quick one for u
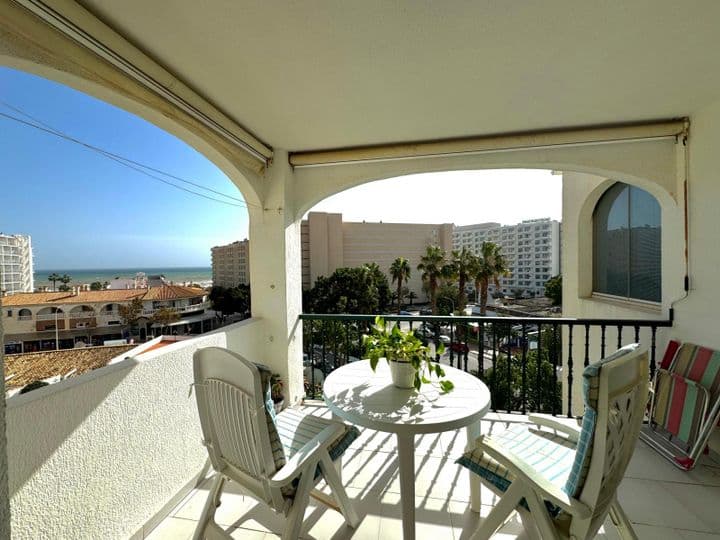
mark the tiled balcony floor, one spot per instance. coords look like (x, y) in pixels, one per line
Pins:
(663, 502)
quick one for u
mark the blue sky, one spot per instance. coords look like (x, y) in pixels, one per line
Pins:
(86, 211)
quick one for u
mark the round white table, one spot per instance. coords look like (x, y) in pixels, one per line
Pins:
(369, 399)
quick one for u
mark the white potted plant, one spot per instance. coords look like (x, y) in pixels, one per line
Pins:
(411, 362)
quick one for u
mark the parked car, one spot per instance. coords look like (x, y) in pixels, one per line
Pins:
(426, 311)
(406, 313)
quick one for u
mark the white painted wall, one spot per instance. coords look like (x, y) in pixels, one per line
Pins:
(696, 316)
(99, 455)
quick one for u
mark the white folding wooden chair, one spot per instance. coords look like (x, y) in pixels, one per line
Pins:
(562, 479)
(276, 459)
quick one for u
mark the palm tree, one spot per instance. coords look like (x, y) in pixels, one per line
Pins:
(412, 296)
(400, 271)
(464, 265)
(54, 277)
(490, 266)
(433, 267)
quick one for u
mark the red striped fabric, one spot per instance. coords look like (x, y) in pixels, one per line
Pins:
(702, 359)
(676, 405)
(669, 355)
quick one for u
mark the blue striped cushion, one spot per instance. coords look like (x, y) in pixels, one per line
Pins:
(591, 387)
(548, 453)
(296, 429)
(276, 446)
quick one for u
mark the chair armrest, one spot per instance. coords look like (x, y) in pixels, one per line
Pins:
(308, 455)
(549, 421)
(527, 474)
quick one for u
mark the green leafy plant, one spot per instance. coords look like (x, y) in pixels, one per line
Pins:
(397, 346)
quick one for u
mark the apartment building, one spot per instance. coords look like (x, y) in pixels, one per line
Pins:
(49, 320)
(16, 264)
(532, 249)
(231, 264)
(329, 243)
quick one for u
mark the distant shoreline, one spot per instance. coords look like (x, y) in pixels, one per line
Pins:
(201, 275)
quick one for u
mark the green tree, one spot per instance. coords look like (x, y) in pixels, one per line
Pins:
(230, 300)
(381, 284)
(447, 294)
(54, 277)
(164, 316)
(464, 265)
(411, 296)
(64, 279)
(130, 313)
(96, 286)
(553, 289)
(400, 271)
(347, 290)
(433, 268)
(491, 264)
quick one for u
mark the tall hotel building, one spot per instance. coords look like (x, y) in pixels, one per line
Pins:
(532, 250)
(231, 264)
(16, 264)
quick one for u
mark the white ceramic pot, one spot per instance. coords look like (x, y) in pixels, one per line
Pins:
(402, 374)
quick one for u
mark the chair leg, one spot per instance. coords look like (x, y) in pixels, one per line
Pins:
(621, 522)
(540, 515)
(297, 510)
(211, 504)
(500, 513)
(335, 482)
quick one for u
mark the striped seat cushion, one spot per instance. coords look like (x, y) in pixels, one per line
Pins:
(276, 446)
(296, 429)
(680, 405)
(591, 387)
(548, 453)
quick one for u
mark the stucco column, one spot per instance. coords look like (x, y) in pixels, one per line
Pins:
(4, 496)
(275, 275)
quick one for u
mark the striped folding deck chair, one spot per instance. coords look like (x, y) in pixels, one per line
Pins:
(685, 404)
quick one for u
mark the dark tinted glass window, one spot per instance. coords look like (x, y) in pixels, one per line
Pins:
(626, 231)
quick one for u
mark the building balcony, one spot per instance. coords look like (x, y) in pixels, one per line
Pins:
(154, 484)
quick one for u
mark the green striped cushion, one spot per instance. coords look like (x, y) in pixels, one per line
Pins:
(550, 454)
(699, 364)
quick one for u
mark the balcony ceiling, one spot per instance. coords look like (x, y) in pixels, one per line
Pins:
(317, 75)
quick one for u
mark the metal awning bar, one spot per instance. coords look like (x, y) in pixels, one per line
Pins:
(217, 122)
(538, 140)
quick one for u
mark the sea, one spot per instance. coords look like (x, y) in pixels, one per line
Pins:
(177, 275)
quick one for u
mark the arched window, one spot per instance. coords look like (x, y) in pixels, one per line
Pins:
(626, 244)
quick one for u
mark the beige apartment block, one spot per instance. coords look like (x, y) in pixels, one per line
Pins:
(328, 243)
(231, 264)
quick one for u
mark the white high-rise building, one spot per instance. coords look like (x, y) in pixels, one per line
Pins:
(16, 264)
(532, 250)
(231, 264)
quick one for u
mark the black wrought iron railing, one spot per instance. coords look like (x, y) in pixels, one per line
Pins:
(523, 360)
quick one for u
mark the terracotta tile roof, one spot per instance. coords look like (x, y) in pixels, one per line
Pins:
(29, 367)
(172, 292)
(166, 292)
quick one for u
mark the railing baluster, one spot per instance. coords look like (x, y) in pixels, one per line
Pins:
(587, 345)
(570, 369)
(324, 344)
(311, 356)
(619, 340)
(493, 392)
(335, 344)
(481, 349)
(524, 369)
(452, 343)
(347, 342)
(509, 370)
(653, 330)
(637, 333)
(538, 371)
(466, 347)
(555, 405)
(602, 341)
